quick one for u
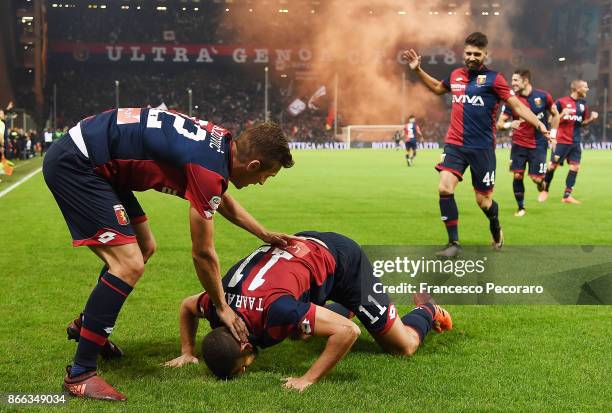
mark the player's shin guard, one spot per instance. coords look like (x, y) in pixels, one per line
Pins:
(550, 173)
(99, 318)
(420, 320)
(450, 216)
(570, 181)
(492, 214)
(519, 192)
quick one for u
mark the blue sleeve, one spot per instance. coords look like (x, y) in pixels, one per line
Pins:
(286, 314)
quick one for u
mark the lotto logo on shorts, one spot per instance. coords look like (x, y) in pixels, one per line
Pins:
(122, 216)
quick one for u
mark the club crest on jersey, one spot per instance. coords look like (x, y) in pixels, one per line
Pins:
(122, 216)
(538, 101)
(481, 80)
(581, 107)
(305, 327)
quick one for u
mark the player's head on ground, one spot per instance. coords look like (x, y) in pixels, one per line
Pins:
(521, 78)
(580, 88)
(475, 50)
(224, 355)
(259, 153)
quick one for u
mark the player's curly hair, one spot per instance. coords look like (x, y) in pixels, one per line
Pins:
(220, 351)
(477, 39)
(267, 143)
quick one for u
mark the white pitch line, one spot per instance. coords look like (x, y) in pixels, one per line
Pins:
(22, 180)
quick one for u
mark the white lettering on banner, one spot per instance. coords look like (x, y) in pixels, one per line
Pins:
(204, 52)
(158, 51)
(305, 55)
(239, 55)
(261, 56)
(136, 57)
(204, 56)
(283, 55)
(180, 55)
(472, 100)
(117, 52)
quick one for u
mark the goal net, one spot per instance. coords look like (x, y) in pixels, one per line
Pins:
(367, 136)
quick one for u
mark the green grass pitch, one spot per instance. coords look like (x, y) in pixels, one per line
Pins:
(498, 358)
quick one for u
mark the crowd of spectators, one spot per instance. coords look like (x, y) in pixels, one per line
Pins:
(206, 22)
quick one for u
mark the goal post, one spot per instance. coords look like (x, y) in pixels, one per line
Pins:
(357, 136)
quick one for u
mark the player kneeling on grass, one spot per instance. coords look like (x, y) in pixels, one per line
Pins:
(281, 292)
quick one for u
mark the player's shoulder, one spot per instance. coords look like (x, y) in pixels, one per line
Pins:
(459, 74)
(541, 93)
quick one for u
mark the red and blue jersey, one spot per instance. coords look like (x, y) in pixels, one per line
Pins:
(475, 99)
(275, 290)
(540, 102)
(573, 113)
(141, 148)
(411, 130)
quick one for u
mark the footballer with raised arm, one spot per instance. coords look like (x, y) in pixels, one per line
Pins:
(470, 141)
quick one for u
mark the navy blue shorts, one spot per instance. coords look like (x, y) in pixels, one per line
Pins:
(411, 145)
(535, 157)
(96, 213)
(482, 163)
(353, 285)
(571, 152)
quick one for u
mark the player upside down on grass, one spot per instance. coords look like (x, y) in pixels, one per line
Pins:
(281, 292)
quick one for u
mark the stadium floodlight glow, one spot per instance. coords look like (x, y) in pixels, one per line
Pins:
(496, 13)
(54, 5)
(250, 10)
(125, 7)
(562, 59)
(161, 8)
(137, 7)
(283, 10)
(402, 12)
(485, 13)
(102, 6)
(196, 9)
(312, 11)
(227, 9)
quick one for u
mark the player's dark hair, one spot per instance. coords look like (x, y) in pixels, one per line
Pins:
(477, 39)
(267, 143)
(220, 351)
(524, 73)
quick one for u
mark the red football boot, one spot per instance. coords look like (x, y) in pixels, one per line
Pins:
(91, 386)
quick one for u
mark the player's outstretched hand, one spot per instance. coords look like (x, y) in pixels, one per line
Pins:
(413, 58)
(182, 360)
(594, 115)
(296, 383)
(234, 323)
